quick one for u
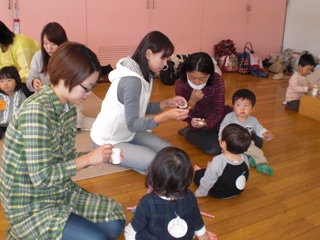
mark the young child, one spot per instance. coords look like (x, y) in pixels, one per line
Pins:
(298, 83)
(11, 95)
(243, 102)
(169, 210)
(226, 175)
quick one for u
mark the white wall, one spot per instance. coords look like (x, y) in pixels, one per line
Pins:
(302, 27)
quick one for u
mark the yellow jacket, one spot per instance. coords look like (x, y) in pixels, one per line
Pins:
(19, 54)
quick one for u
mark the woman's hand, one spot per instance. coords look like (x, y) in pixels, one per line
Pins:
(37, 84)
(196, 96)
(173, 102)
(97, 156)
(172, 114)
(198, 122)
(177, 114)
(100, 155)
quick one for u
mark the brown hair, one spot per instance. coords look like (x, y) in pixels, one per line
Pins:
(156, 42)
(170, 173)
(237, 138)
(73, 62)
(54, 33)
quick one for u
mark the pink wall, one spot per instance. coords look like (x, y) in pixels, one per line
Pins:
(35, 14)
(102, 24)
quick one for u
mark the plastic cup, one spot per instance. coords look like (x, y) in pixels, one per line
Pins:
(115, 156)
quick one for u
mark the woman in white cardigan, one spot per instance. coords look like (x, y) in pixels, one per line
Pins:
(122, 120)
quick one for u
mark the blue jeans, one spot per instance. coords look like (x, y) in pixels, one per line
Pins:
(80, 228)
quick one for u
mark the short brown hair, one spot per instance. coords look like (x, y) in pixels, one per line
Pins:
(237, 138)
(73, 62)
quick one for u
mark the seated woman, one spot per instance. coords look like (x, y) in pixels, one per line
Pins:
(204, 90)
(17, 50)
(122, 120)
(39, 158)
(52, 36)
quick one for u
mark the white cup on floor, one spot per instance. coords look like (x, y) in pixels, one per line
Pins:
(314, 91)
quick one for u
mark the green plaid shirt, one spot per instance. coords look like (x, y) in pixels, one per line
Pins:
(37, 164)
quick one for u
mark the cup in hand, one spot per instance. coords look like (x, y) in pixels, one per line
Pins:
(198, 121)
(116, 156)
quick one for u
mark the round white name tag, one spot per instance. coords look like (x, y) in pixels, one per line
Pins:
(177, 227)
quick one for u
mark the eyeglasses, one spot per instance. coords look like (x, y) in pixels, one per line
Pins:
(88, 89)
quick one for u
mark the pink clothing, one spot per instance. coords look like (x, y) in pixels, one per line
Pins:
(297, 86)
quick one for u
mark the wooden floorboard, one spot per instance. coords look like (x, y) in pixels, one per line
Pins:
(285, 205)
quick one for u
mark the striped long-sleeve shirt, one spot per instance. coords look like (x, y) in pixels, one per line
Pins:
(297, 86)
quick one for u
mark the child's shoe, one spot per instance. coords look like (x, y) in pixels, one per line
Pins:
(251, 161)
(265, 169)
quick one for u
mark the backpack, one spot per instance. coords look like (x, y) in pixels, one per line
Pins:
(168, 74)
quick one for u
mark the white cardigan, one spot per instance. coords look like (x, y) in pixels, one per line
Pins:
(110, 125)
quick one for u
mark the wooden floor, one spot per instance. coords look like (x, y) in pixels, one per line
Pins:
(285, 205)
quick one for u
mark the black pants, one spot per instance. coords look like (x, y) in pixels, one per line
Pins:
(26, 91)
(2, 131)
(293, 105)
(207, 140)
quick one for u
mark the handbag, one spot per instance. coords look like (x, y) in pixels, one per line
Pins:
(243, 66)
(249, 62)
(255, 60)
(228, 63)
(226, 56)
(168, 75)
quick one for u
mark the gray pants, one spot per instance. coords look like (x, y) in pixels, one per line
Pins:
(140, 151)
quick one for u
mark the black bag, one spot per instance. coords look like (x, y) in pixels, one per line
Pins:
(168, 74)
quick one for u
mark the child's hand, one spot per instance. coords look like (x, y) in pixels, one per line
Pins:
(196, 168)
(208, 236)
(268, 135)
(212, 236)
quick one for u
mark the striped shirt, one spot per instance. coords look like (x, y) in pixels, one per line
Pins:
(297, 86)
(36, 189)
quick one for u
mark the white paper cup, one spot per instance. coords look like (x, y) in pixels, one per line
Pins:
(182, 105)
(199, 121)
(314, 91)
(115, 156)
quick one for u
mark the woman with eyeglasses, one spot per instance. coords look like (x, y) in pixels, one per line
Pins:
(204, 90)
(122, 121)
(39, 158)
